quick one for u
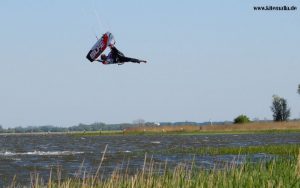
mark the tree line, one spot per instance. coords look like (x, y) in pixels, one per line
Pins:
(279, 107)
(50, 128)
(99, 126)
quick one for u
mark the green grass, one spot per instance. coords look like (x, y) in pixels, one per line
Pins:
(283, 172)
(284, 150)
(279, 172)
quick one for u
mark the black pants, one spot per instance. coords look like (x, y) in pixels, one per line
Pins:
(123, 59)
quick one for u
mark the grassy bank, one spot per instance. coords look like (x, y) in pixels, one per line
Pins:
(266, 127)
(254, 127)
(249, 128)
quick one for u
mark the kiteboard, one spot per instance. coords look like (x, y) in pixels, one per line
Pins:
(106, 40)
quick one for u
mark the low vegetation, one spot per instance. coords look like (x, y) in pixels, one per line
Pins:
(287, 150)
(241, 119)
(255, 127)
(278, 172)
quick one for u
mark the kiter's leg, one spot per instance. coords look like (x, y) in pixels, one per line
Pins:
(129, 59)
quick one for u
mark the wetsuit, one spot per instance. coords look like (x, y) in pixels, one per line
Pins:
(115, 56)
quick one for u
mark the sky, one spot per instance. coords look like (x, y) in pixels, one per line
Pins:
(207, 61)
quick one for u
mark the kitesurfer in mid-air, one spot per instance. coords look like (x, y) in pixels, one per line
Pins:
(114, 56)
(117, 57)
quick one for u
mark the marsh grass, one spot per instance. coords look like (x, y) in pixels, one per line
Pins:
(255, 127)
(287, 150)
(276, 173)
(279, 172)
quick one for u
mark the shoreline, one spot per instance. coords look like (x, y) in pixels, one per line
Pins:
(254, 127)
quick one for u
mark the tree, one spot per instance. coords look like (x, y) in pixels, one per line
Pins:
(280, 109)
(299, 89)
(241, 119)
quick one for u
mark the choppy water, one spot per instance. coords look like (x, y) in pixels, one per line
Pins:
(25, 155)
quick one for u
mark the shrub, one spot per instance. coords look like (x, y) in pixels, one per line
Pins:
(241, 119)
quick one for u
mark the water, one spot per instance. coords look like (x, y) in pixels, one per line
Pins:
(25, 155)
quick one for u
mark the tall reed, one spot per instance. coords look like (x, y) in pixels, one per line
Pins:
(279, 172)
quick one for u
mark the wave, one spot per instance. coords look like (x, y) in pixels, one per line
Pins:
(155, 142)
(46, 153)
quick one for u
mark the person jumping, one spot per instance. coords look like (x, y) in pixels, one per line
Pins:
(117, 57)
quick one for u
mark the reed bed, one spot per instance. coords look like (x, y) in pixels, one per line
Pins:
(230, 128)
(279, 172)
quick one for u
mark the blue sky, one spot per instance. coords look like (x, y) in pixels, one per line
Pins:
(207, 60)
